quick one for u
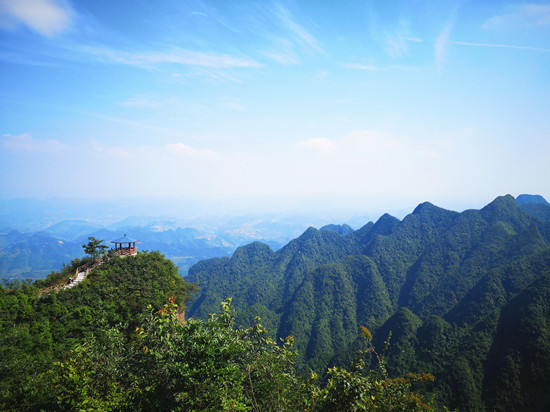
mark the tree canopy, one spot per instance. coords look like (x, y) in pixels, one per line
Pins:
(445, 283)
(120, 341)
(94, 248)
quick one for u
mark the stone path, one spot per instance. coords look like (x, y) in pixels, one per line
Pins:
(79, 278)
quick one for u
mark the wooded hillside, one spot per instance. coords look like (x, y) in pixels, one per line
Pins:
(464, 295)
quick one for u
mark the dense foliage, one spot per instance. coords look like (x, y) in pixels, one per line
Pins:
(119, 341)
(464, 294)
(37, 328)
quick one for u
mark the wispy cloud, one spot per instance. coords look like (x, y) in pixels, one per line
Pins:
(526, 15)
(282, 51)
(393, 36)
(122, 121)
(364, 153)
(502, 46)
(363, 144)
(359, 66)
(183, 150)
(26, 143)
(156, 154)
(231, 104)
(144, 101)
(47, 17)
(403, 67)
(284, 57)
(297, 31)
(396, 44)
(440, 48)
(320, 145)
(369, 67)
(215, 74)
(175, 56)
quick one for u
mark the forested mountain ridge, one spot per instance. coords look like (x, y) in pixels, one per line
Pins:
(119, 341)
(535, 205)
(448, 285)
(37, 329)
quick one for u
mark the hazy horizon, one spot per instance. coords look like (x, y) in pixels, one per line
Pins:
(41, 213)
(255, 106)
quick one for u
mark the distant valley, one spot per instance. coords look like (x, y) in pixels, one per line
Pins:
(37, 237)
(33, 255)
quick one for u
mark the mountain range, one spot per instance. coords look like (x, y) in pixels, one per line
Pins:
(465, 296)
(30, 252)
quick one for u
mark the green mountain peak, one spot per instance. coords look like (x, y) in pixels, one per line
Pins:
(437, 280)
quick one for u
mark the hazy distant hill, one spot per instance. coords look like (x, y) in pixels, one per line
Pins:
(464, 294)
(527, 199)
(535, 205)
(71, 229)
(340, 229)
(33, 254)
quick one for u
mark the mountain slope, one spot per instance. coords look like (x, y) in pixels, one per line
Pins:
(535, 205)
(437, 279)
(37, 329)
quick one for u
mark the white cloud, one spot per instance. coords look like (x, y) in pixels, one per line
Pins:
(370, 164)
(366, 163)
(230, 104)
(396, 45)
(144, 101)
(537, 14)
(299, 33)
(501, 46)
(26, 143)
(181, 149)
(175, 56)
(413, 39)
(360, 66)
(47, 17)
(403, 67)
(371, 145)
(368, 67)
(155, 154)
(440, 47)
(321, 145)
(361, 163)
(321, 74)
(528, 15)
(284, 57)
(282, 52)
(393, 36)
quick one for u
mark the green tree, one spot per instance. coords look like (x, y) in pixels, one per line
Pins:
(94, 248)
(38, 329)
(172, 364)
(361, 390)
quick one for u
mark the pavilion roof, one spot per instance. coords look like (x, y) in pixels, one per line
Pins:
(124, 239)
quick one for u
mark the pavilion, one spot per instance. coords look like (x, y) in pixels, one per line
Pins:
(125, 246)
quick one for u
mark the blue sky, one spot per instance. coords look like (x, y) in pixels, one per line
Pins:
(363, 103)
